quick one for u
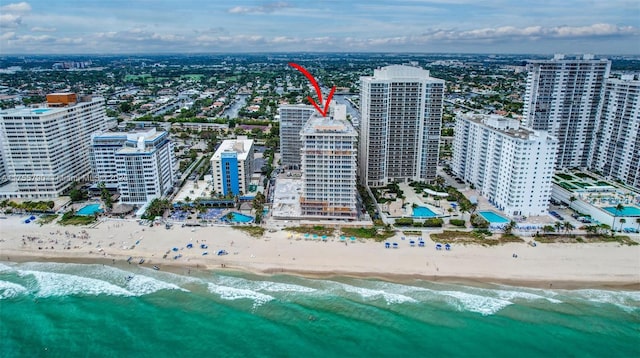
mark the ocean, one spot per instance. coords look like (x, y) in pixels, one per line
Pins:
(81, 310)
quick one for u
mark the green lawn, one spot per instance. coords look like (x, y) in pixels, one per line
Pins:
(45, 219)
(77, 220)
(255, 231)
(367, 233)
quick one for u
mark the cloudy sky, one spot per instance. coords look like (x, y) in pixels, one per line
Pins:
(178, 26)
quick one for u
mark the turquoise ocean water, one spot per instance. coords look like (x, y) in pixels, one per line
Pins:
(75, 310)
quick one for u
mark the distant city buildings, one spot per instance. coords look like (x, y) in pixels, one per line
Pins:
(292, 119)
(46, 149)
(329, 167)
(139, 164)
(401, 109)
(562, 97)
(615, 149)
(509, 165)
(232, 166)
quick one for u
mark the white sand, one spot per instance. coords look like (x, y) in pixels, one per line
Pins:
(563, 265)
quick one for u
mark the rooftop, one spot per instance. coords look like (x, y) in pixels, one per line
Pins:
(241, 146)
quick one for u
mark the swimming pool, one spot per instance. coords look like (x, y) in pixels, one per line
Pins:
(493, 218)
(627, 211)
(41, 110)
(239, 218)
(423, 212)
(89, 209)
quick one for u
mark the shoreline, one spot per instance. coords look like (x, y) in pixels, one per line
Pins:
(111, 242)
(184, 268)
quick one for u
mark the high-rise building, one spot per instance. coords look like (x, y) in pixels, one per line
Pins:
(140, 164)
(329, 167)
(401, 110)
(615, 149)
(292, 118)
(46, 149)
(509, 165)
(3, 172)
(232, 166)
(562, 97)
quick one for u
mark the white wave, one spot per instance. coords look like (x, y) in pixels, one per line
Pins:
(143, 285)
(475, 303)
(366, 293)
(59, 284)
(11, 290)
(627, 300)
(523, 295)
(232, 293)
(267, 286)
(5, 268)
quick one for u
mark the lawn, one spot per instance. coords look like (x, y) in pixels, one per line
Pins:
(255, 231)
(472, 237)
(77, 220)
(313, 230)
(45, 219)
(550, 239)
(367, 233)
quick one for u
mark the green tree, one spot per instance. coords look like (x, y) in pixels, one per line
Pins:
(78, 195)
(105, 195)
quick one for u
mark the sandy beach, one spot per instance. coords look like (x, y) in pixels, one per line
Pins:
(602, 265)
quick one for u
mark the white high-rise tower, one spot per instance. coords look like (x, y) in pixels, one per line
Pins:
(401, 109)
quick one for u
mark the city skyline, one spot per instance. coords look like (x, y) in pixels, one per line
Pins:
(38, 27)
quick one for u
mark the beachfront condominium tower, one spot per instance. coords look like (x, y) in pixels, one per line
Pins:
(615, 150)
(46, 149)
(401, 110)
(510, 165)
(562, 97)
(139, 164)
(232, 166)
(292, 118)
(328, 163)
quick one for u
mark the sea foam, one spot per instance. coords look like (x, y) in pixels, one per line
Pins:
(11, 290)
(232, 293)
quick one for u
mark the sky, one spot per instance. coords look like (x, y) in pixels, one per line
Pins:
(214, 26)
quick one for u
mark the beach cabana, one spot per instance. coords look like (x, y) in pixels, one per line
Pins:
(421, 243)
(412, 243)
(342, 238)
(324, 237)
(395, 245)
(387, 245)
(353, 239)
(438, 246)
(447, 247)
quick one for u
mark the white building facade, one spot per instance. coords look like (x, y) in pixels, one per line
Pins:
(292, 119)
(615, 150)
(329, 168)
(232, 166)
(46, 149)
(141, 164)
(562, 97)
(401, 110)
(509, 165)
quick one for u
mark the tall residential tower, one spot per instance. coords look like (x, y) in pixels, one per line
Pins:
(562, 97)
(292, 119)
(401, 110)
(509, 165)
(328, 164)
(615, 149)
(46, 149)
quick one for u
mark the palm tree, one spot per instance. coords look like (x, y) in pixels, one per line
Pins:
(622, 221)
(508, 229)
(619, 209)
(547, 229)
(568, 227)
(558, 226)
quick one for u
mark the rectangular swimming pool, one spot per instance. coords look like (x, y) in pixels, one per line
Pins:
(493, 218)
(626, 211)
(423, 212)
(90, 209)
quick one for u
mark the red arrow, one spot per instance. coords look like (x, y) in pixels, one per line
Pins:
(323, 111)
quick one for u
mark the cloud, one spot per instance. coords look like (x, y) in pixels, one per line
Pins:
(20, 7)
(9, 35)
(43, 29)
(12, 14)
(263, 9)
(10, 20)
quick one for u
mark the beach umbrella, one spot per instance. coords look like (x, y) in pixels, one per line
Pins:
(447, 247)
(395, 245)
(387, 245)
(438, 246)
